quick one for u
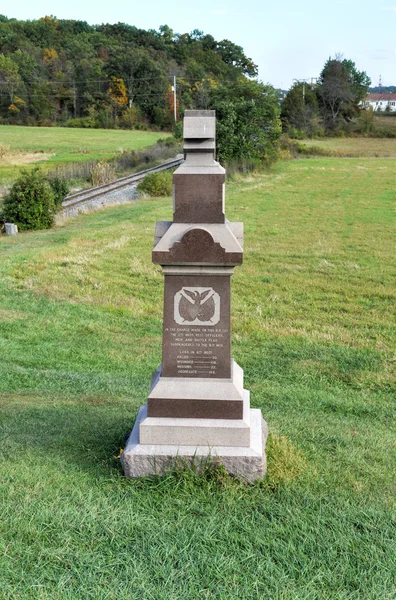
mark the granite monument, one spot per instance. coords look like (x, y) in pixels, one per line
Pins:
(197, 406)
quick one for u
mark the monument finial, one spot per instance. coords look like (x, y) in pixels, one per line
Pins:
(199, 181)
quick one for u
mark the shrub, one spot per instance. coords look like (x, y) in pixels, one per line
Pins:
(157, 184)
(60, 187)
(30, 203)
(46, 123)
(178, 131)
(296, 134)
(130, 118)
(81, 122)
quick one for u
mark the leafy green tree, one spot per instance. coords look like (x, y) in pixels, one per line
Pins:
(234, 55)
(60, 188)
(340, 89)
(9, 77)
(30, 203)
(366, 121)
(166, 33)
(300, 109)
(42, 102)
(248, 125)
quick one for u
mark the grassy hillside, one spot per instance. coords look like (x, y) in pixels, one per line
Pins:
(312, 315)
(52, 146)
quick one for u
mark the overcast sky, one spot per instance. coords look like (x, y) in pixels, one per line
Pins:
(286, 38)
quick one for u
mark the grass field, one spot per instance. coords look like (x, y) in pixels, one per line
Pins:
(312, 314)
(359, 147)
(61, 145)
(385, 122)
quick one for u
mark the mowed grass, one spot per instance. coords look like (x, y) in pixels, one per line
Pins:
(360, 147)
(313, 328)
(62, 145)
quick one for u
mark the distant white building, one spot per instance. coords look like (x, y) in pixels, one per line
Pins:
(380, 102)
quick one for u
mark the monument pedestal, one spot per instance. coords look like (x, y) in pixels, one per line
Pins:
(161, 442)
(197, 409)
(245, 462)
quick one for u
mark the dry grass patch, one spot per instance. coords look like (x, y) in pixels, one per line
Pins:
(285, 461)
(20, 159)
(356, 147)
(11, 315)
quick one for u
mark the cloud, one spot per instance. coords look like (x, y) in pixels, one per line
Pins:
(218, 12)
(390, 8)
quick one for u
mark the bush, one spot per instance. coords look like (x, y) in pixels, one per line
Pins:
(81, 122)
(30, 203)
(157, 184)
(61, 189)
(178, 131)
(130, 118)
(46, 123)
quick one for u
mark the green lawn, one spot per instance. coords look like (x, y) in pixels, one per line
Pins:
(62, 145)
(313, 309)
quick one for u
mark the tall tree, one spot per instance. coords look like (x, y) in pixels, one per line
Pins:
(300, 109)
(340, 89)
(10, 80)
(248, 125)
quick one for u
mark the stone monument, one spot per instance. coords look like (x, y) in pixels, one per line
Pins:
(11, 229)
(197, 406)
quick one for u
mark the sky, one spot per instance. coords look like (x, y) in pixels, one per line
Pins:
(287, 39)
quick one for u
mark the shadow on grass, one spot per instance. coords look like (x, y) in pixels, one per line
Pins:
(83, 434)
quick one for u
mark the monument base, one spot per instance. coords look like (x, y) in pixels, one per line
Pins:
(245, 462)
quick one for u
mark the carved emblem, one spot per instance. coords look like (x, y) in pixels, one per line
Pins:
(197, 306)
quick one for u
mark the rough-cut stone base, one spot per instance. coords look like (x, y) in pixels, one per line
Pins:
(246, 463)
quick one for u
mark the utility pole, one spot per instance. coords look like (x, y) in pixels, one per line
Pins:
(174, 98)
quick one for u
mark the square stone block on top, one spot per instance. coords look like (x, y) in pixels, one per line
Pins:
(199, 124)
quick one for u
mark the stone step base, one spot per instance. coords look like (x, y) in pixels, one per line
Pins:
(197, 432)
(247, 463)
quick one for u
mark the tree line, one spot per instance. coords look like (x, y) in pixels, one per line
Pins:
(54, 70)
(66, 72)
